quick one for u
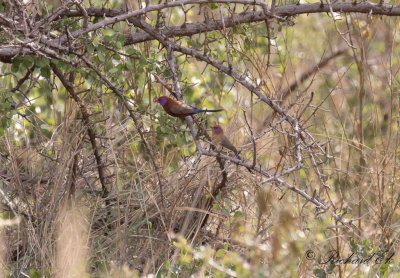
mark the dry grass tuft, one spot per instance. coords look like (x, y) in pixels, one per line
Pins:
(72, 242)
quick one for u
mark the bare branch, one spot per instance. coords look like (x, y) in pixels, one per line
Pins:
(100, 165)
(252, 140)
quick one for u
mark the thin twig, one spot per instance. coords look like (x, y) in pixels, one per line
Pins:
(252, 140)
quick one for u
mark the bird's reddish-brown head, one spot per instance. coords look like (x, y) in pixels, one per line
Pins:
(161, 100)
(216, 129)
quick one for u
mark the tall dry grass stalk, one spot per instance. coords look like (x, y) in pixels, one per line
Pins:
(72, 242)
(3, 254)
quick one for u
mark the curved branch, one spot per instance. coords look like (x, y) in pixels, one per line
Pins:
(7, 53)
(256, 16)
(86, 119)
(190, 29)
(300, 134)
(278, 179)
(284, 10)
(283, 95)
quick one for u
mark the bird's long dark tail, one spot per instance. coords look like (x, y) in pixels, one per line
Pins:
(215, 110)
(206, 110)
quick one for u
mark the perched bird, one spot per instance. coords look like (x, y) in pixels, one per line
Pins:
(179, 109)
(220, 139)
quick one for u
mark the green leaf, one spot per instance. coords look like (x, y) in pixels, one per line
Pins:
(97, 19)
(84, 74)
(225, 212)
(354, 246)
(108, 38)
(131, 51)
(319, 272)
(5, 122)
(90, 49)
(45, 72)
(101, 57)
(27, 62)
(96, 41)
(142, 61)
(171, 137)
(113, 70)
(15, 65)
(118, 45)
(33, 273)
(47, 271)
(41, 62)
(129, 65)
(302, 173)
(213, 6)
(116, 56)
(121, 67)
(220, 253)
(101, 48)
(121, 38)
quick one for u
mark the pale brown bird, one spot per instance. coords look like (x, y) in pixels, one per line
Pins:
(219, 139)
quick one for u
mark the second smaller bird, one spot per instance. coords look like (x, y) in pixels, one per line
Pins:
(219, 139)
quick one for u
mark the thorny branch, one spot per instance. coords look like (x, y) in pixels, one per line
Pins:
(189, 120)
(134, 118)
(337, 28)
(301, 135)
(252, 140)
(7, 52)
(40, 42)
(86, 118)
